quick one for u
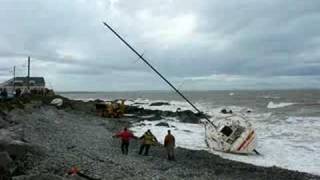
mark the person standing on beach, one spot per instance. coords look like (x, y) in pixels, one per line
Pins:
(125, 137)
(147, 140)
(169, 144)
(4, 94)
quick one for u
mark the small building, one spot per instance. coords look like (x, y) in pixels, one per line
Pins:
(22, 83)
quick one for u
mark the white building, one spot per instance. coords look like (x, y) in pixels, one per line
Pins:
(22, 83)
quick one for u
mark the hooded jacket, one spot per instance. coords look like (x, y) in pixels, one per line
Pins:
(148, 138)
(125, 135)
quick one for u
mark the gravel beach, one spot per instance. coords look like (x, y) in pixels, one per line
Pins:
(40, 141)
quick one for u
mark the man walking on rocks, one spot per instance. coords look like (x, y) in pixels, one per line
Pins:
(169, 144)
(125, 136)
(147, 140)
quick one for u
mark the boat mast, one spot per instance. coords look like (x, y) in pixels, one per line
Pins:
(156, 71)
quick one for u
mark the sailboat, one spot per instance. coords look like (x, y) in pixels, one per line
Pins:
(234, 134)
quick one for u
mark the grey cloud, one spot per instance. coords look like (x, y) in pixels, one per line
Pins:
(269, 38)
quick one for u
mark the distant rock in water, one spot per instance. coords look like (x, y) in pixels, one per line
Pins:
(189, 116)
(188, 131)
(160, 104)
(163, 124)
(138, 103)
(224, 111)
(152, 115)
(141, 124)
(98, 101)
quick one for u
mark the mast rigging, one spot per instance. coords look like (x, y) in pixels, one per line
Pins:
(156, 71)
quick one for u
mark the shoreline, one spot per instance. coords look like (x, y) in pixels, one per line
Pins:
(52, 140)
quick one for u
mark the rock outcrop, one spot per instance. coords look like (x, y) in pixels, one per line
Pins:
(160, 104)
(148, 114)
(163, 124)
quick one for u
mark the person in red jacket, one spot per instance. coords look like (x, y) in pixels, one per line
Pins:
(125, 137)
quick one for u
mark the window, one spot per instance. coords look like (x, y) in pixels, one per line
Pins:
(226, 130)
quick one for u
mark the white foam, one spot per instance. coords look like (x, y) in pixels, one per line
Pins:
(83, 99)
(174, 105)
(270, 97)
(187, 135)
(272, 105)
(292, 144)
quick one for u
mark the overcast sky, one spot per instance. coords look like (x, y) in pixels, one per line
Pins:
(198, 45)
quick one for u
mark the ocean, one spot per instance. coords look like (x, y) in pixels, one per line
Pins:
(287, 122)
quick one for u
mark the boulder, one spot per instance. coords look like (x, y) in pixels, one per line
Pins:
(6, 165)
(133, 109)
(87, 107)
(3, 123)
(188, 116)
(224, 111)
(168, 114)
(98, 101)
(160, 104)
(7, 136)
(57, 102)
(4, 174)
(3, 114)
(5, 160)
(152, 115)
(163, 124)
(3, 120)
(16, 148)
(186, 130)
(138, 103)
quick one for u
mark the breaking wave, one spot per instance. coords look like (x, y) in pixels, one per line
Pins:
(272, 105)
(270, 97)
(284, 147)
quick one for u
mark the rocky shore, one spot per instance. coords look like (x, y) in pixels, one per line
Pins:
(40, 141)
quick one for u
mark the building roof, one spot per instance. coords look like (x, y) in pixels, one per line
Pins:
(36, 81)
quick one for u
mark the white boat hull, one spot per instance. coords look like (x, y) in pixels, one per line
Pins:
(232, 137)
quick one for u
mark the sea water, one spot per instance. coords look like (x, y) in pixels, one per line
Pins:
(287, 122)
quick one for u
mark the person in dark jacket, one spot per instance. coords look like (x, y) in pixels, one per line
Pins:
(18, 92)
(125, 137)
(147, 140)
(169, 144)
(4, 94)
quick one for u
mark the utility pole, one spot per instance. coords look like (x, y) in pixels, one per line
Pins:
(28, 77)
(14, 79)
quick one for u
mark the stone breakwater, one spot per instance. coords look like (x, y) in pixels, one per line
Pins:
(39, 141)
